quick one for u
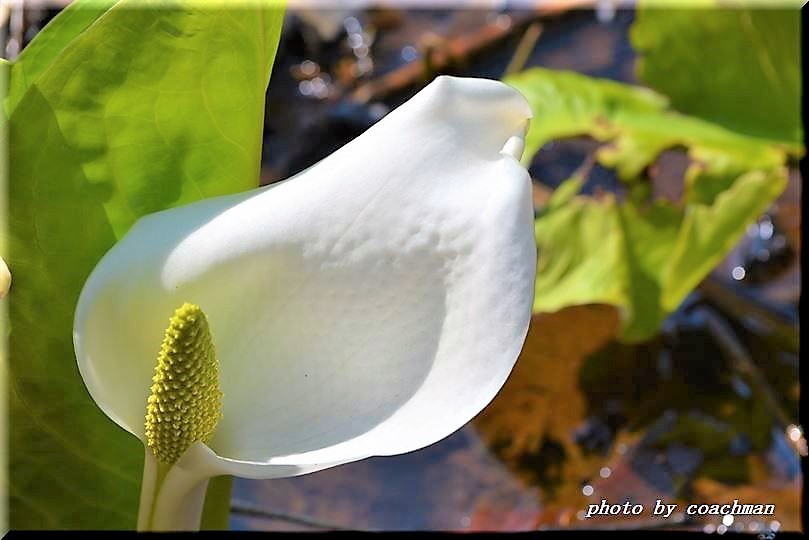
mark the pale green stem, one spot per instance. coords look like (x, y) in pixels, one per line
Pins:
(172, 496)
(148, 487)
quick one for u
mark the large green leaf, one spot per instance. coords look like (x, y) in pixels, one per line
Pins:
(638, 124)
(4, 71)
(46, 46)
(642, 257)
(143, 109)
(738, 67)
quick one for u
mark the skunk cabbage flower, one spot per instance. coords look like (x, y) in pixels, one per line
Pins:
(370, 305)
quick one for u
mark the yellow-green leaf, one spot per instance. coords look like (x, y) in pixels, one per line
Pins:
(150, 105)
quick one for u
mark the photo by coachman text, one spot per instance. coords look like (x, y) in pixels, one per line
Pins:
(735, 509)
(666, 510)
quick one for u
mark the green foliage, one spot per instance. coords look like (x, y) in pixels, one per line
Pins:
(737, 67)
(116, 111)
(639, 256)
(4, 71)
(642, 259)
(638, 124)
(41, 52)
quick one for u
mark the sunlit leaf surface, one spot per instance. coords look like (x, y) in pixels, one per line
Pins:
(142, 110)
(638, 125)
(42, 51)
(642, 256)
(740, 67)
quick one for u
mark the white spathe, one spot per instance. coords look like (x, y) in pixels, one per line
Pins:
(370, 305)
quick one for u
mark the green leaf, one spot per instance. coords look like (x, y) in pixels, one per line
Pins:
(143, 110)
(710, 231)
(563, 194)
(600, 251)
(4, 71)
(567, 104)
(49, 43)
(638, 125)
(738, 67)
(642, 258)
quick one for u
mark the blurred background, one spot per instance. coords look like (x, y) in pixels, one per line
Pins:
(701, 404)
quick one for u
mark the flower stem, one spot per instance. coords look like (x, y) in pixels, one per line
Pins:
(148, 490)
(172, 496)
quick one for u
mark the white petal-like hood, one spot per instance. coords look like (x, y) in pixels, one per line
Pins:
(370, 305)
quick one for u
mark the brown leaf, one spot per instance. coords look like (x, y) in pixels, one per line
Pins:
(542, 395)
(541, 400)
